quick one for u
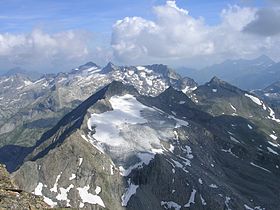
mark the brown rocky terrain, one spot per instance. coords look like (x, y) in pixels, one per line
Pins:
(13, 198)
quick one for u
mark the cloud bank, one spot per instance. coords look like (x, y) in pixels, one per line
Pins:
(173, 37)
(47, 52)
(176, 37)
(266, 23)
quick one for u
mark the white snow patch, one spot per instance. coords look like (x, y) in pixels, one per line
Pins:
(130, 191)
(248, 207)
(88, 197)
(130, 72)
(63, 195)
(112, 169)
(230, 152)
(273, 136)
(171, 149)
(73, 176)
(145, 160)
(80, 161)
(213, 186)
(182, 102)
(126, 110)
(142, 68)
(170, 205)
(179, 121)
(54, 188)
(27, 82)
(254, 208)
(272, 151)
(253, 164)
(191, 199)
(214, 90)
(272, 115)
(234, 109)
(203, 202)
(149, 82)
(50, 202)
(97, 190)
(179, 165)
(188, 150)
(227, 202)
(254, 99)
(94, 144)
(176, 135)
(234, 139)
(188, 89)
(200, 181)
(273, 144)
(38, 191)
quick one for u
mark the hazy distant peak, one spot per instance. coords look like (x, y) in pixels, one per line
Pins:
(264, 58)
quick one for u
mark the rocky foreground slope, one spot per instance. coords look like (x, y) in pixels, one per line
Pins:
(13, 198)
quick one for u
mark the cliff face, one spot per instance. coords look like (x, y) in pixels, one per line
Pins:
(13, 198)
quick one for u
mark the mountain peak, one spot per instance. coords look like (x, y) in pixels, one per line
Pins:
(20, 71)
(90, 63)
(16, 70)
(110, 64)
(109, 67)
(216, 80)
(264, 58)
(87, 65)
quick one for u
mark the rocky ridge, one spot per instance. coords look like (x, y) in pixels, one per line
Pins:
(166, 153)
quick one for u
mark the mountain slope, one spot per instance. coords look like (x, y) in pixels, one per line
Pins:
(220, 98)
(271, 94)
(123, 150)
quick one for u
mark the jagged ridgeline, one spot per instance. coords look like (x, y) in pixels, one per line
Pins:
(150, 140)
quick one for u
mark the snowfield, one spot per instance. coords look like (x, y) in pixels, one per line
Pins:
(131, 131)
(254, 99)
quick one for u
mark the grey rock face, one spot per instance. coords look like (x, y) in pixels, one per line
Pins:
(161, 152)
(26, 104)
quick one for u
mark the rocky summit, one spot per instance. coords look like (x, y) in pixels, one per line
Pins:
(144, 138)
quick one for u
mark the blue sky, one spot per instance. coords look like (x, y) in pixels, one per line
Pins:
(97, 16)
(44, 34)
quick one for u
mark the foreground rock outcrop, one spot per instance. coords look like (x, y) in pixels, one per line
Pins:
(13, 198)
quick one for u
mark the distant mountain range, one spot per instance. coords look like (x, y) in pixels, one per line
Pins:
(33, 75)
(246, 74)
(140, 137)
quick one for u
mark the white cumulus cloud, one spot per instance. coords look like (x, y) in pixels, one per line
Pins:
(176, 37)
(46, 52)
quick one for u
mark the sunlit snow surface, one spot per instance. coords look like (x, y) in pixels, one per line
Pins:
(89, 197)
(131, 133)
(38, 191)
(254, 99)
(131, 190)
